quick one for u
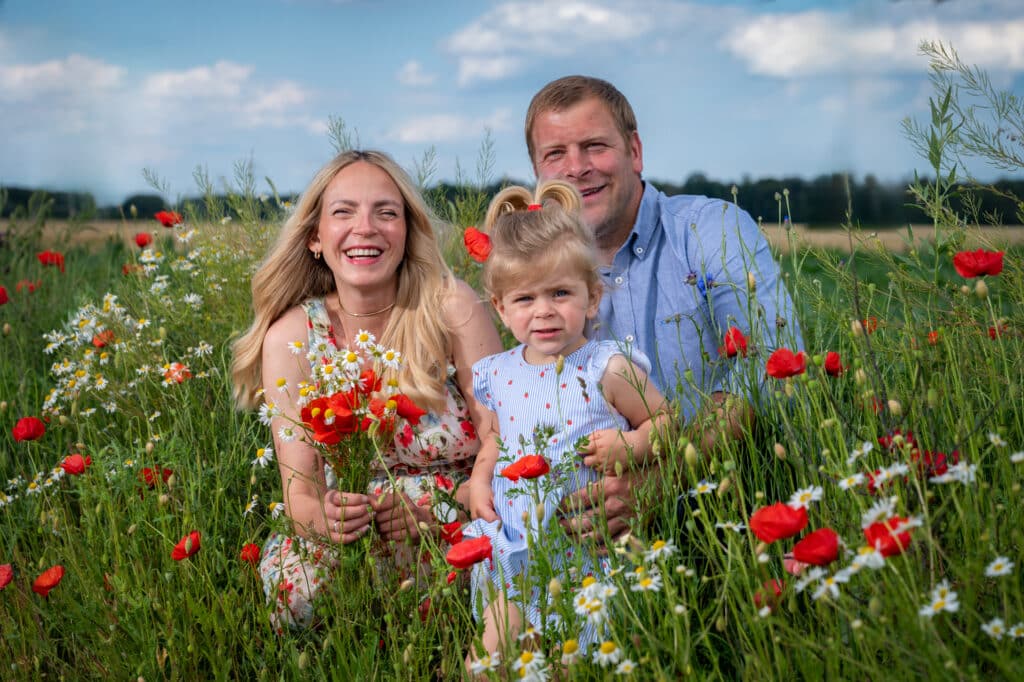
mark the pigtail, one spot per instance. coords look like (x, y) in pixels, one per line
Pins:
(560, 193)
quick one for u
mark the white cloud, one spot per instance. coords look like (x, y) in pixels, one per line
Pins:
(816, 43)
(449, 127)
(223, 79)
(413, 75)
(502, 41)
(72, 75)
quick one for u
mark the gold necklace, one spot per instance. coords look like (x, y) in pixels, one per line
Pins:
(373, 314)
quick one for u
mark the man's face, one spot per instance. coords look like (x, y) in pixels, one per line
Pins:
(582, 146)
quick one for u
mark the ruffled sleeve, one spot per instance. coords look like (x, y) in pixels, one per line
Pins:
(482, 371)
(607, 349)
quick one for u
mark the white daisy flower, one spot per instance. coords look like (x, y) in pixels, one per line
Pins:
(251, 507)
(867, 557)
(830, 585)
(1017, 631)
(286, 433)
(626, 667)
(264, 456)
(995, 628)
(486, 664)
(365, 340)
(802, 498)
(880, 510)
(659, 550)
(811, 576)
(392, 359)
(607, 654)
(937, 605)
(530, 665)
(275, 509)
(730, 525)
(571, 651)
(1000, 566)
(996, 440)
(852, 481)
(1017, 457)
(296, 347)
(705, 487)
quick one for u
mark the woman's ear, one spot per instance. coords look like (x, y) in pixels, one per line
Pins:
(313, 243)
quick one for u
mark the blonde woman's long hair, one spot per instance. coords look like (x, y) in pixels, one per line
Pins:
(537, 231)
(290, 275)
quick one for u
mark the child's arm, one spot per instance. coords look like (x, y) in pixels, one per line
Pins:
(628, 390)
(481, 494)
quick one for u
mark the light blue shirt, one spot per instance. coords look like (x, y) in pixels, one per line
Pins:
(679, 281)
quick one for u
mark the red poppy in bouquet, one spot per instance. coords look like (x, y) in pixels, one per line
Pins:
(168, 218)
(352, 408)
(734, 344)
(478, 244)
(978, 263)
(527, 466)
(53, 258)
(784, 363)
(48, 580)
(28, 428)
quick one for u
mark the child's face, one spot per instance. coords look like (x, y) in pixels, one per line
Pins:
(548, 313)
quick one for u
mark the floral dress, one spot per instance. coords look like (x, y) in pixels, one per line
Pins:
(426, 462)
(540, 411)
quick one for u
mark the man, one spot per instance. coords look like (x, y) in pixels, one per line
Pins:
(679, 271)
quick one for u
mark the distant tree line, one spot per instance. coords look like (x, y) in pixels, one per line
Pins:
(820, 202)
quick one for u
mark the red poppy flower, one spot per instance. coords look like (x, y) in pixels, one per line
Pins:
(151, 476)
(934, 463)
(833, 364)
(3, 295)
(186, 547)
(785, 363)
(769, 594)
(103, 338)
(469, 552)
(777, 522)
(51, 258)
(48, 580)
(143, 239)
(452, 533)
(478, 244)
(882, 537)
(527, 466)
(177, 373)
(168, 218)
(408, 410)
(75, 465)
(995, 332)
(933, 338)
(819, 548)
(28, 428)
(870, 324)
(6, 575)
(452, 575)
(369, 382)
(28, 284)
(978, 263)
(250, 553)
(889, 442)
(735, 343)
(130, 269)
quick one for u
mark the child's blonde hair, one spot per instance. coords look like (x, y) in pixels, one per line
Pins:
(537, 231)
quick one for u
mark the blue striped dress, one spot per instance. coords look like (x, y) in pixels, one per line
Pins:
(540, 411)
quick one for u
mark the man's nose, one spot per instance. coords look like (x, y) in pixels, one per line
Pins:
(576, 163)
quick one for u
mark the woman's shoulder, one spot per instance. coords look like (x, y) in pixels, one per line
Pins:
(458, 302)
(292, 325)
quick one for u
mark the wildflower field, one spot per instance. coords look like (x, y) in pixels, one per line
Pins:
(869, 527)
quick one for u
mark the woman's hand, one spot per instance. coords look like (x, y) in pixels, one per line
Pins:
(481, 500)
(398, 518)
(347, 516)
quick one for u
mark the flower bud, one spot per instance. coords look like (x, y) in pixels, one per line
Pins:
(895, 407)
(172, 480)
(540, 512)
(788, 389)
(423, 526)
(131, 529)
(64, 421)
(857, 328)
(618, 469)
(860, 376)
(149, 447)
(724, 486)
(720, 623)
(981, 289)
(3, 405)
(559, 364)
(761, 548)
(163, 499)
(751, 282)
(406, 584)
(7, 328)
(554, 587)
(690, 455)
(303, 660)
(964, 290)
(780, 451)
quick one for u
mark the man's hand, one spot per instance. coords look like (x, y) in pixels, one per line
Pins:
(398, 518)
(611, 497)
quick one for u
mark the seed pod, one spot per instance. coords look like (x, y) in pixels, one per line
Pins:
(690, 455)
(895, 407)
(981, 289)
(780, 451)
(554, 587)
(857, 328)
(751, 282)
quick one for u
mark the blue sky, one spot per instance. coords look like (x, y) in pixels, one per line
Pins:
(93, 92)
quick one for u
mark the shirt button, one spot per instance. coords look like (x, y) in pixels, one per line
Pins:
(618, 280)
(639, 250)
(629, 338)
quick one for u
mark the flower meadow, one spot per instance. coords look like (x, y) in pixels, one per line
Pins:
(868, 527)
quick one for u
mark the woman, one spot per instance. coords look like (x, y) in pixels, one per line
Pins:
(359, 253)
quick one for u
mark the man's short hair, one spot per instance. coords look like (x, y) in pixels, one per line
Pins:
(571, 90)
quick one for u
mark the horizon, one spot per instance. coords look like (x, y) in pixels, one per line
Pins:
(802, 88)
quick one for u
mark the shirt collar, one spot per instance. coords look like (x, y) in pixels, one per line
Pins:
(647, 220)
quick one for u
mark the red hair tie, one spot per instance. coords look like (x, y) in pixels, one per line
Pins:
(533, 207)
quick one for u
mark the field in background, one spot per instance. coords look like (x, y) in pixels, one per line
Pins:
(891, 239)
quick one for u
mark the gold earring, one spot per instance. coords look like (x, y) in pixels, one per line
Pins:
(316, 255)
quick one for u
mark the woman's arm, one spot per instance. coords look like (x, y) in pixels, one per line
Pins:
(316, 512)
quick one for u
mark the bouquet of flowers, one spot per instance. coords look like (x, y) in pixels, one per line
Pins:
(350, 407)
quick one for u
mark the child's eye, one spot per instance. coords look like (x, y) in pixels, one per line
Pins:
(562, 292)
(522, 299)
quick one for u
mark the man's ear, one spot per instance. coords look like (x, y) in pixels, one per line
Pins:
(636, 151)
